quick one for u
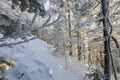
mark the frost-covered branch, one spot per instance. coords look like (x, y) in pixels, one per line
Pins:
(12, 44)
(36, 14)
(45, 24)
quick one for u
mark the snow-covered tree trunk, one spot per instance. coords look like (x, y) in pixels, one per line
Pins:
(78, 46)
(69, 24)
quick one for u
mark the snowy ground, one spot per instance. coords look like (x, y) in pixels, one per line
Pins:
(35, 61)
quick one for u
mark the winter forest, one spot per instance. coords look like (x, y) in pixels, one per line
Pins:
(59, 40)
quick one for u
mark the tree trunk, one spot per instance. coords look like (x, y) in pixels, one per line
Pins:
(78, 46)
(105, 6)
(69, 24)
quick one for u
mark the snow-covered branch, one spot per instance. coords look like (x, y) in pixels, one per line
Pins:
(20, 42)
(29, 29)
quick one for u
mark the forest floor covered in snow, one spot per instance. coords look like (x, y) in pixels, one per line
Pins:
(35, 61)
